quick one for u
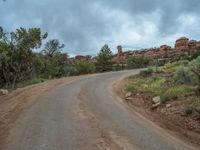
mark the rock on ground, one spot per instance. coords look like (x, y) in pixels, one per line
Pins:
(3, 92)
(156, 100)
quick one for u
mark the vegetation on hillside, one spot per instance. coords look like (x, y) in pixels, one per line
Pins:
(138, 62)
(173, 81)
(22, 61)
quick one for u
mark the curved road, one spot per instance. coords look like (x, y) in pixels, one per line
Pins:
(86, 115)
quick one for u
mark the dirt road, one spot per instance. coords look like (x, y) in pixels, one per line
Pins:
(86, 114)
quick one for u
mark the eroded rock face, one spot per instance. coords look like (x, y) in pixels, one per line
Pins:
(164, 48)
(192, 44)
(81, 57)
(182, 44)
(120, 52)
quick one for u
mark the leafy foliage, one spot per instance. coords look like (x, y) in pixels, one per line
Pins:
(53, 47)
(174, 91)
(146, 73)
(16, 56)
(84, 67)
(195, 66)
(184, 75)
(104, 59)
(196, 105)
(138, 62)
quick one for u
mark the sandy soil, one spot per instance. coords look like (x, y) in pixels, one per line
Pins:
(13, 104)
(178, 125)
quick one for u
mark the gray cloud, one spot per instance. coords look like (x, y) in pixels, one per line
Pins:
(84, 26)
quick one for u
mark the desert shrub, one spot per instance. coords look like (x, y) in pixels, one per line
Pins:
(158, 70)
(118, 66)
(173, 92)
(146, 73)
(73, 71)
(138, 62)
(183, 62)
(68, 70)
(29, 82)
(188, 110)
(84, 67)
(136, 84)
(196, 54)
(184, 75)
(195, 66)
(171, 67)
(196, 105)
(154, 85)
(131, 88)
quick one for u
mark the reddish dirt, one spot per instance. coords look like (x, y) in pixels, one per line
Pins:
(13, 104)
(172, 118)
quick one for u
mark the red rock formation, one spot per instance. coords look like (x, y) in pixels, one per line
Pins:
(182, 44)
(120, 52)
(182, 47)
(165, 48)
(192, 44)
(198, 44)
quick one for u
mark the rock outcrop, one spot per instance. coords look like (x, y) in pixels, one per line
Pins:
(183, 47)
(182, 44)
(120, 52)
(81, 58)
(3, 92)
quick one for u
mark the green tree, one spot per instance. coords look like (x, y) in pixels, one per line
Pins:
(55, 62)
(104, 59)
(16, 56)
(53, 47)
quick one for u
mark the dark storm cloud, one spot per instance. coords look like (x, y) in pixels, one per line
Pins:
(170, 9)
(85, 25)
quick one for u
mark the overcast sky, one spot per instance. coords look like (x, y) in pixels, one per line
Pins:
(85, 25)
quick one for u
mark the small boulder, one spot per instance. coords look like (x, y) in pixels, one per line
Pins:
(154, 106)
(129, 98)
(168, 105)
(129, 94)
(3, 92)
(156, 100)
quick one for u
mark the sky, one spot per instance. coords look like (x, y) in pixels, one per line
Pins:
(84, 26)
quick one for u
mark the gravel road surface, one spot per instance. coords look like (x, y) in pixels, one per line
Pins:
(87, 115)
